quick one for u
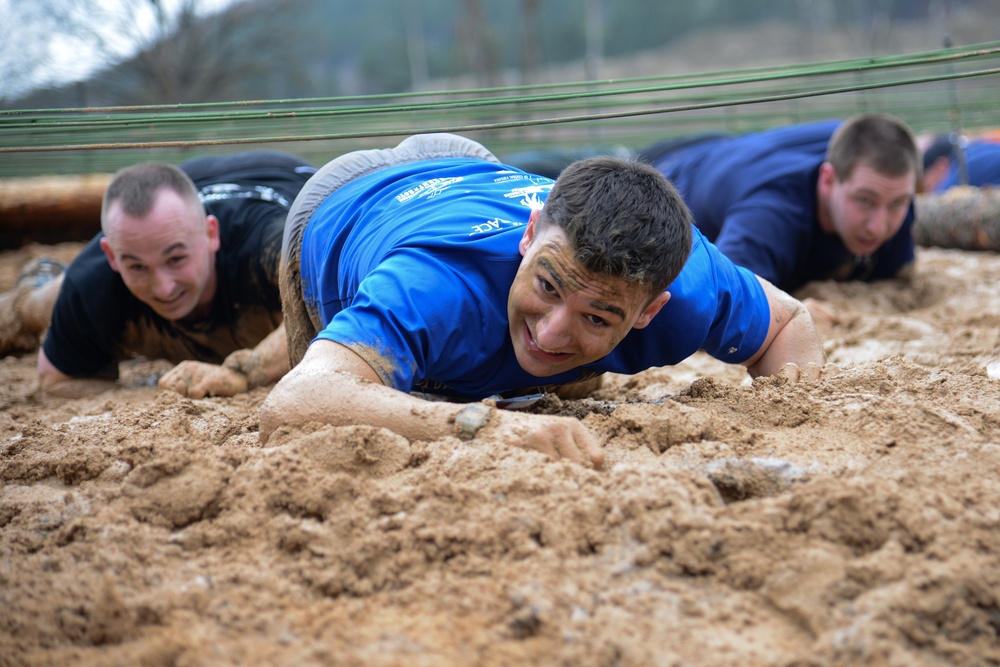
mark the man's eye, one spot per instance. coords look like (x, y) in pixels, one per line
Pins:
(174, 261)
(597, 321)
(136, 268)
(546, 286)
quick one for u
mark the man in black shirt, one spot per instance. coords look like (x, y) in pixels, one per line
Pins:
(184, 269)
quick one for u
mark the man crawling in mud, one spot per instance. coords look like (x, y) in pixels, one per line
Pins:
(432, 270)
(184, 269)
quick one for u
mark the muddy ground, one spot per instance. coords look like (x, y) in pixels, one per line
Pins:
(849, 521)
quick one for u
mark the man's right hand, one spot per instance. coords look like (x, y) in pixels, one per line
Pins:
(557, 437)
(335, 385)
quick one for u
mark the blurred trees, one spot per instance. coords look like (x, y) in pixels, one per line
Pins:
(193, 57)
(148, 51)
(169, 51)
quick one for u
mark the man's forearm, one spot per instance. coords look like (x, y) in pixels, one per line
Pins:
(53, 381)
(796, 342)
(333, 385)
(792, 336)
(341, 398)
(77, 387)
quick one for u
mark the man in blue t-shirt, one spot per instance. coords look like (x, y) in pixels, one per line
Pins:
(433, 269)
(184, 269)
(821, 201)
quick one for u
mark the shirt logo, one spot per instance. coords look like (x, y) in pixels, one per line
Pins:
(223, 191)
(428, 189)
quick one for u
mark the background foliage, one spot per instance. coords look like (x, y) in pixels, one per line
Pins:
(177, 76)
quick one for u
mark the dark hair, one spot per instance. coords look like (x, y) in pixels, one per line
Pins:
(883, 142)
(136, 187)
(942, 146)
(623, 218)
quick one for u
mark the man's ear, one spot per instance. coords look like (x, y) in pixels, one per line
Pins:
(529, 232)
(110, 254)
(212, 231)
(827, 179)
(650, 311)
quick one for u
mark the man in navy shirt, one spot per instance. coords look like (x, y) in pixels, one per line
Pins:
(948, 162)
(432, 269)
(820, 201)
(184, 269)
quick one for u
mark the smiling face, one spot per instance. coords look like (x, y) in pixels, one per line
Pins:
(166, 257)
(866, 209)
(561, 315)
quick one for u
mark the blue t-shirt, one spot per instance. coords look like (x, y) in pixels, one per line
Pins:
(982, 165)
(411, 267)
(754, 196)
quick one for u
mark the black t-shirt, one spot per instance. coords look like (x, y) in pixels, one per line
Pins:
(97, 322)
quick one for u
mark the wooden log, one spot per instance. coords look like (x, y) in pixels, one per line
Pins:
(57, 209)
(962, 217)
(50, 209)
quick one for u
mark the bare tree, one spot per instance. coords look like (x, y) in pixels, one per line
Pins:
(416, 46)
(32, 35)
(475, 44)
(594, 26)
(530, 39)
(149, 51)
(193, 56)
(57, 40)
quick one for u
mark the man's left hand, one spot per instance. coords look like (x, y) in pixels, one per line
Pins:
(196, 379)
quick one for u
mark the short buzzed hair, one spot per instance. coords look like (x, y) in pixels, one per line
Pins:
(623, 218)
(136, 188)
(882, 141)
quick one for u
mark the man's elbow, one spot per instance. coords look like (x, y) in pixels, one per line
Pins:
(270, 416)
(56, 383)
(277, 408)
(63, 387)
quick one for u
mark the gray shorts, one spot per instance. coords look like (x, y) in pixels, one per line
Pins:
(302, 320)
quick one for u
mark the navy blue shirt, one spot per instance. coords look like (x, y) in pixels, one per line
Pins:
(754, 196)
(982, 166)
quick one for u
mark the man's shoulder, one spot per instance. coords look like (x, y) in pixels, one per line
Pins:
(819, 131)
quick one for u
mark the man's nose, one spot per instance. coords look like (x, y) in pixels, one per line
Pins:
(878, 222)
(163, 284)
(553, 330)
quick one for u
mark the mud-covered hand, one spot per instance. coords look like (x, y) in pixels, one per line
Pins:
(249, 364)
(196, 379)
(557, 437)
(810, 372)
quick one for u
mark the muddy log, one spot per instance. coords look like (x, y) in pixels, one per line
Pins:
(966, 218)
(56, 209)
(50, 209)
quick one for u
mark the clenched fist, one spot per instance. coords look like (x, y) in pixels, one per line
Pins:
(196, 379)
